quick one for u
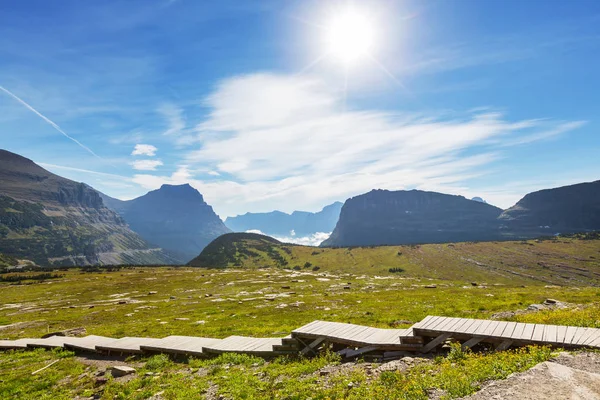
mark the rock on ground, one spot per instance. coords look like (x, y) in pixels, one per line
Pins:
(568, 377)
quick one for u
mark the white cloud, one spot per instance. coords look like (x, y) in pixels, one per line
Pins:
(144, 150)
(312, 240)
(146, 165)
(284, 142)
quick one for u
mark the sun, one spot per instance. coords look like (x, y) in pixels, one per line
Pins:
(350, 37)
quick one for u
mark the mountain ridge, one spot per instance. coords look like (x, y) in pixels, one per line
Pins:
(56, 221)
(174, 217)
(278, 223)
(384, 217)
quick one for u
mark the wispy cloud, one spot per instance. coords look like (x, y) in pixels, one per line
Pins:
(146, 165)
(282, 140)
(144, 150)
(49, 121)
(174, 117)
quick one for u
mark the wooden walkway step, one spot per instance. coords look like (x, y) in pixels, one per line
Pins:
(505, 334)
(358, 335)
(244, 344)
(183, 345)
(14, 344)
(126, 345)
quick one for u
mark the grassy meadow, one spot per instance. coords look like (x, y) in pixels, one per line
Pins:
(474, 280)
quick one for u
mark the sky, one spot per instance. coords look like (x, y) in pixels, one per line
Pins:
(252, 103)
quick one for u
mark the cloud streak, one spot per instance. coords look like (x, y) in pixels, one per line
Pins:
(50, 122)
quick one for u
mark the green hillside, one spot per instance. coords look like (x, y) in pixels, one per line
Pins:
(568, 260)
(7, 261)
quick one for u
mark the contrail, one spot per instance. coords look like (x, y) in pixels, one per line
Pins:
(52, 124)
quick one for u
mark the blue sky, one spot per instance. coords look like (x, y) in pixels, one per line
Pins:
(478, 98)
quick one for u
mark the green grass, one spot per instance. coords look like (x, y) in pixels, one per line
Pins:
(273, 301)
(568, 261)
(246, 377)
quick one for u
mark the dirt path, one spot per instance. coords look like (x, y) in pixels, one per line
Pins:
(567, 377)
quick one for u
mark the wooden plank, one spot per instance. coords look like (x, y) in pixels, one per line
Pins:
(561, 332)
(570, 334)
(518, 332)
(440, 323)
(14, 344)
(490, 328)
(433, 323)
(476, 326)
(305, 328)
(497, 332)
(362, 350)
(528, 332)
(538, 333)
(593, 336)
(425, 321)
(471, 342)
(443, 324)
(507, 332)
(584, 336)
(481, 328)
(464, 327)
(596, 341)
(504, 345)
(312, 346)
(550, 334)
(452, 324)
(435, 342)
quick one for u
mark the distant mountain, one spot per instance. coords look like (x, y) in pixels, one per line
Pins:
(55, 221)
(233, 249)
(402, 217)
(567, 209)
(479, 199)
(278, 223)
(174, 217)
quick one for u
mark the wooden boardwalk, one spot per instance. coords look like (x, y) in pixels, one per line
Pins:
(506, 334)
(349, 340)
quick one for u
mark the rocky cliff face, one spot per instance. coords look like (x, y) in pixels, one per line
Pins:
(281, 224)
(401, 217)
(55, 221)
(567, 209)
(174, 217)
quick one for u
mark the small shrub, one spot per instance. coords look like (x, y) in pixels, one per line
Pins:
(316, 268)
(157, 362)
(395, 270)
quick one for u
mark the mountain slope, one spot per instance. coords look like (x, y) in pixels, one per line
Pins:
(174, 217)
(401, 217)
(55, 221)
(574, 208)
(234, 248)
(281, 224)
(570, 260)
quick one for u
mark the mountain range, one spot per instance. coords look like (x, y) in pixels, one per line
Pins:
(55, 221)
(402, 217)
(298, 223)
(174, 217)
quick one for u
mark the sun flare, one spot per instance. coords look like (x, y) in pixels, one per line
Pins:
(350, 37)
